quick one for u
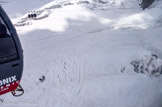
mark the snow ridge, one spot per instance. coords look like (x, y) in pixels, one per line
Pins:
(139, 20)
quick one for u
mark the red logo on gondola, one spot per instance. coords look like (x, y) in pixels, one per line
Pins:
(8, 84)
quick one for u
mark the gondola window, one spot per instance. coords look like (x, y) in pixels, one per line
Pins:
(8, 50)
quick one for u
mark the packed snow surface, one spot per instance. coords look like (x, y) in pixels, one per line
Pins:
(94, 53)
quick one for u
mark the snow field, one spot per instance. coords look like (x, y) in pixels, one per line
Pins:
(81, 49)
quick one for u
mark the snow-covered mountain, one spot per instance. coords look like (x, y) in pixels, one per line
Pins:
(92, 53)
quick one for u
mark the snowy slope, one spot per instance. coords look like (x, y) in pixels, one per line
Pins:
(88, 52)
(17, 8)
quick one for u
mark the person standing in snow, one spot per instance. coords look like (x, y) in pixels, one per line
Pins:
(34, 15)
(29, 15)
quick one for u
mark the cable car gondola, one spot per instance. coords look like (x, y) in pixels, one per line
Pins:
(11, 57)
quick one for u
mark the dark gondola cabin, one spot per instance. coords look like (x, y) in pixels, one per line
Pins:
(11, 56)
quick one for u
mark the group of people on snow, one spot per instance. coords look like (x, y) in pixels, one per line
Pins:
(32, 15)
